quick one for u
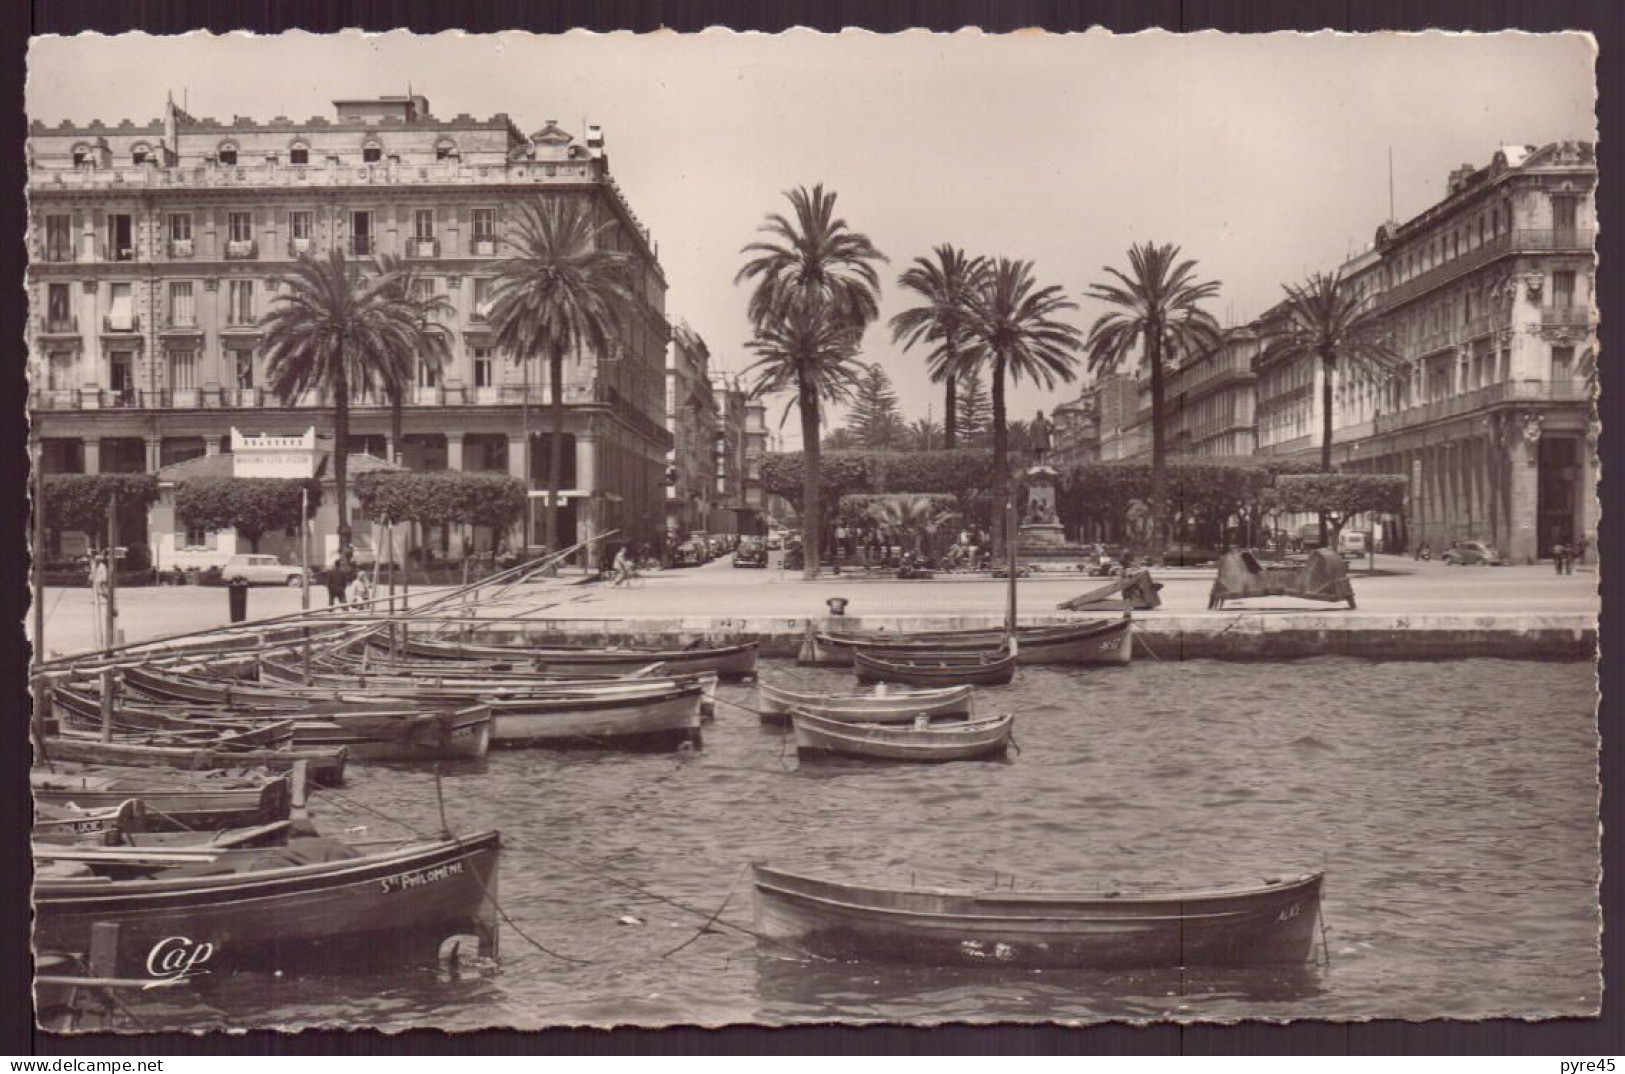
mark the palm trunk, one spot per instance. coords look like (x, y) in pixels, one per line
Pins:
(1159, 450)
(341, 448)
(950, 422)
(810, 448)
(397, 423)
(1325, 431)
(1001, 465)
(555, 376)
(529, 466)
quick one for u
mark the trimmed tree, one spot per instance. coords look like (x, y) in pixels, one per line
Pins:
(442, 498)
(80, 501)
(252, 506)
(1339, 497)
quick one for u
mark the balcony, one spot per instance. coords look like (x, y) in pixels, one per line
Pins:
(1563, 390)
(111, 252)
(483, 247)
(297, 247)
(181, 249)
(240, 397)
(121, 324)
(58, 253)
(242, 250)
(363, 246)
(1512, 242)
(479, 313)
(1569, 316)
(330, 174)
(59, 326)
(421, 248)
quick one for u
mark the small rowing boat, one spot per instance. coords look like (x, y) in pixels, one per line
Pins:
(957, 740)
(882, 705)
(728, 661)
(1273, 922)
(174, 801)
(1095, 641)
(938, 667)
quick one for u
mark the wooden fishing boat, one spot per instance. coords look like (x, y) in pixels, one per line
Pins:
(310, 903)
(147, 853)
(174, 801)
(381, 735)
(729, 661)
(662, 715)
(324, 766)
(1269, 923)
(66, 823)
(882, 705)
(957, 740)
(938, 668)
(1096, 641)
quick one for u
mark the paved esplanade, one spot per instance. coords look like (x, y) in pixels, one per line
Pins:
(1402, 587)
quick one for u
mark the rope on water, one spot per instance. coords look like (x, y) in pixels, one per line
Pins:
(1146, 646)
(705, 928)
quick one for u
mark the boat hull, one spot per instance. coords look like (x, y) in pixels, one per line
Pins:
(728, 661)
(172, 808)
(775, 703)
(1109, 642)
(324, 767)
(940, 670)
(391, 907)
(960, 741)
(657, 719)
(1272, 924)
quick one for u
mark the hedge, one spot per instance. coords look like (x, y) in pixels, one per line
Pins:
(443, 497)
(79, 501)
(966, 474)
(252, 506)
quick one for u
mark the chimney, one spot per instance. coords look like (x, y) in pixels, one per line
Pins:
(1459, 177)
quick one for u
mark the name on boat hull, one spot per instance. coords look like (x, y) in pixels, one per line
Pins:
(419, 877)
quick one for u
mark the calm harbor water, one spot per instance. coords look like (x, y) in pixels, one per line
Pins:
(1453, 806)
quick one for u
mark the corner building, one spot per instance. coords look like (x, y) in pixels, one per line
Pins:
(156, 249)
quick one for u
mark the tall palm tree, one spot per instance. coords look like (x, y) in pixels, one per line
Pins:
(816, 289)
(559, 290)
(431, 347)
(1158, 316)
(1016, 332)
(810, 352)
(335, 330)
(947, 286)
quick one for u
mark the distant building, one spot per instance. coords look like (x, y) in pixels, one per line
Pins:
(1077, 432)
(156, 248)
(1207, 402)
(692, 419)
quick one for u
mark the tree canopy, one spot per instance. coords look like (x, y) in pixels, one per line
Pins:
(80, 501)
(874, 419)
(253, 506)
(444, 497)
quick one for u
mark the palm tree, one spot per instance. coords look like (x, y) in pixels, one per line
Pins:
(432, 347)
(558, 291)
(1159, 315)
(812, 353)
(923, 434)
(334, 330)
(816, 290)
(1016, 332)
(947, 285)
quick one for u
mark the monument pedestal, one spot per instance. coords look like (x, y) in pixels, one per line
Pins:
(1040, 535)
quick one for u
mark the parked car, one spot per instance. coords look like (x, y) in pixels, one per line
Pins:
(752, 552)
(1353, 544)
(1472, 553)
(691, 553)
(775, 540)
(255, 570)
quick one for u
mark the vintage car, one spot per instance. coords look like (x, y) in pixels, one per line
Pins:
(255, 570)
(1472, 554)
(690, 553)
(752, 552)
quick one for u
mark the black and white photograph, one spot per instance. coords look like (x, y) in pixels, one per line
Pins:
(743, 529)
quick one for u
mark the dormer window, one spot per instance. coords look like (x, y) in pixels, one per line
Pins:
(140, 153)
(81, 156)
(372, 153)
(228, 155)
(299, 154)
(445, 149)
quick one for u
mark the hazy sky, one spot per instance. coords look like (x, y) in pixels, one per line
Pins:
(1265, 157)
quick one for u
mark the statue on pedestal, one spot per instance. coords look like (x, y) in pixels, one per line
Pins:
(1039, 437)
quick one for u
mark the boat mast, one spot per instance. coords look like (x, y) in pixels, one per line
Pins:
(1010, 546)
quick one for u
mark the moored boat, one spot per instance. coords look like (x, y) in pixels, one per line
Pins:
(310, 903)
(938, 667)
(882, 705)
(1269, 923)
(957, 740)
(174, 801)
(661, 715)
(728, 661)
(324, 766)
(1095, 641)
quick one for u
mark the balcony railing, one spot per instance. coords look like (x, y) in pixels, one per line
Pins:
(298, 246)
(128, 324)
(1562, 390)
(111, 252)
(59, 326)
(417, 248)
(181, 248)
(1566, 316)
(1511, 242)
(329, 174)
(240, 397)
(180, 323)
(58, 253)
(242, 250)
(484, 247)
(479, 313)
(363, 245)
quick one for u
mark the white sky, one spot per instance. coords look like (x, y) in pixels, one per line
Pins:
(1265, 157)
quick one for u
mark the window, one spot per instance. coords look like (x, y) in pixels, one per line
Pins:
(59, 371)
(57, 313)
(485, 225)
(228, 154)
(1562, 363)
(240, 367)
(484, 368)
(182, 370)
(372, 153)
(361, 232)
(138, 155)
(423, 289)
(302, 224)
(120, 245)
(180, 227)
(482, 297)
(181, 310)
(59, 237)
(81, 156)
(423, 224)
(240, 227)
(1563, 212)
(197, 537)
(428, 374)
(240, 302)
(1563, 288)
(299, 154)
(121, 308)
(121, 371)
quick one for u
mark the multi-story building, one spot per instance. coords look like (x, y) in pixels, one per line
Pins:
(692, 420)
(757, 444)
(1207, 402)
(1488, 298)
(157, 248)
(733, 511)
(1117, 406)
(1077, 431)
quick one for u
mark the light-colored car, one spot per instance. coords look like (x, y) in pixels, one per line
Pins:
(1472, 553)
(262, 570)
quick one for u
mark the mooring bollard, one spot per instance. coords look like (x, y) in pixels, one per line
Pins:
(837, 605)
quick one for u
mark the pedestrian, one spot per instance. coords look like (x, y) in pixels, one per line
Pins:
(337, 581)
(361, 588)
(1580, 547)
(622, 566)
(1560, 553)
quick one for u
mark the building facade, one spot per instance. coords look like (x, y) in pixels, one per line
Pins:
(733, 513)
(1488, 297)
(157, 248)
(692, 420)
(1208, 402)
(1077, 432)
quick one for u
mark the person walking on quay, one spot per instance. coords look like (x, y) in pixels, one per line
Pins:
(338, 581)
(622, 567)
(1560, 555)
